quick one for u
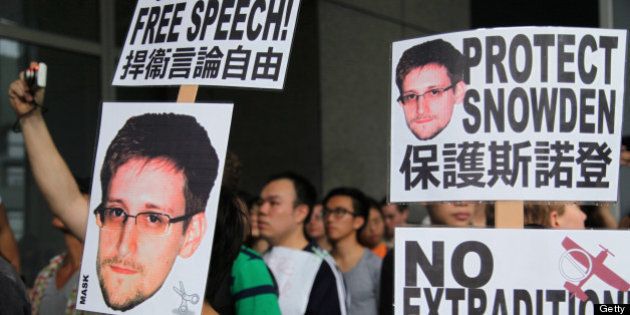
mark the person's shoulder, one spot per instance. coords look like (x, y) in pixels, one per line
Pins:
(249, 253)
(324, 296)
(325, 271)
(325, 282)
(12, 290)
(7, 270)
(373, 264)
(316, 250)
(372, 259)
(247, 258)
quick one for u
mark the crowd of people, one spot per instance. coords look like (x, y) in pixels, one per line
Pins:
(284, 250)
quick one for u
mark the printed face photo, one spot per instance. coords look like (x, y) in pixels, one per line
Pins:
(428, 98)
(139, 240)
(152, 210)
(480, 100)
(153, 206)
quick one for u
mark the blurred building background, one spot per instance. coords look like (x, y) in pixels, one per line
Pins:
(330, 123)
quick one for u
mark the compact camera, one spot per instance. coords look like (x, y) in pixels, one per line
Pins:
(35, 76)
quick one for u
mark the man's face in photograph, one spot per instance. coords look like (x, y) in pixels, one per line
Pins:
(428, 97)
(139, 244)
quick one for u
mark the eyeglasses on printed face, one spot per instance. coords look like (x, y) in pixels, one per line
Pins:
(430, 95)
(337, 213)
(150, 223)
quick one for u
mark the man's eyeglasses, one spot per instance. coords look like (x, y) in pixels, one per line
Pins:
(430, 95)
(151, 223)
(337, 213)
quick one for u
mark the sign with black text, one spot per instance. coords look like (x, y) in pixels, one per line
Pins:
(480, 271)
(208, 42)
(526, 113)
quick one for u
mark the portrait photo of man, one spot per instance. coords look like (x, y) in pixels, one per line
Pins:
(429, 77)
(156, 178)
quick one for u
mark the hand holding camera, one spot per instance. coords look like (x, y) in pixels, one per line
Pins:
(35, 76)
(27, 93)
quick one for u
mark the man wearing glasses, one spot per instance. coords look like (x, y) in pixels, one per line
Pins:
(155, 192)
(345, 215)
(429, 77)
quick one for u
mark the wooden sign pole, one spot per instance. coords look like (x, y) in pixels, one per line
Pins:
(509, 214)
(187, 93)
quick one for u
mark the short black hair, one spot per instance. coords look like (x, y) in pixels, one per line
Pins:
(436, 51)
(178, 139)
(305, 192)
(401, 207)
(372, 203)
(360, 205)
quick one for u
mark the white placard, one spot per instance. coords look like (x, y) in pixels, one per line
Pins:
(505, 271)
(163, 273)
(208, 42)
(526, 113)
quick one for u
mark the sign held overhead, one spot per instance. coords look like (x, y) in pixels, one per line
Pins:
(524, 113)
(239, 43)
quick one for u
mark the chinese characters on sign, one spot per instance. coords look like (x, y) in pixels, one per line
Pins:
(202, 63)
(525, 113)
(220, 43)
(540, 164)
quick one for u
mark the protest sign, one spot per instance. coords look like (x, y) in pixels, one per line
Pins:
(480, 271)
(153, 205)
(208, 42)
(527, 113)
